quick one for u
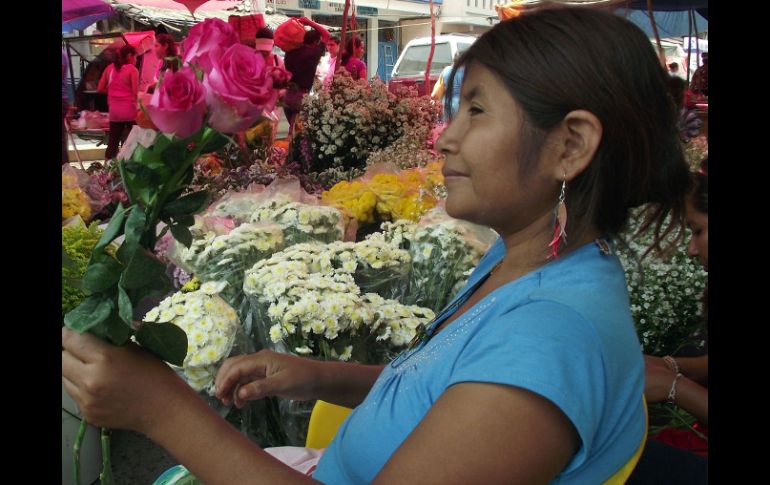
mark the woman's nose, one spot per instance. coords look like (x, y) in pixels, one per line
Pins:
(692, 248)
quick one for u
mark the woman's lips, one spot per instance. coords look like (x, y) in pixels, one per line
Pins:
(450, 174)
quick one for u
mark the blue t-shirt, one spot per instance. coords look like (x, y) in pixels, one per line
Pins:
(563, 331)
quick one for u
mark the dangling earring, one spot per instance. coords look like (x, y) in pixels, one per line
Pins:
(560, 221)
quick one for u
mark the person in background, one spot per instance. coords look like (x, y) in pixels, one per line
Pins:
(351, 58)
(700, 79)
(439, 89)
(264, 45)
(121, 83)
(673, 70)
(165, 51)
(325, 71)
(679, 456)
(65, 106)
(302, 63)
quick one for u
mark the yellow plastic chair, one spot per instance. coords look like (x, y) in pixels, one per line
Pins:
(621, 476)
(326, 419)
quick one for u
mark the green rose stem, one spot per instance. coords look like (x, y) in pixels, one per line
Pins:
(76, 449)
(105, 477)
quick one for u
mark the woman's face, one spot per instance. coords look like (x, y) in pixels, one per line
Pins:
(698, 222)
(359, 50)
(160, 50)
(481, 171)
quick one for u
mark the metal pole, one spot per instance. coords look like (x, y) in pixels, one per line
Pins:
(661, 53)
(432, 48)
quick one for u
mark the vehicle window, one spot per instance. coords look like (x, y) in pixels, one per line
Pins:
(415, 59)
(461, 47)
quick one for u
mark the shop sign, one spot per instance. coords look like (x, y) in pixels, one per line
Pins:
(310, 4)
(366, 11)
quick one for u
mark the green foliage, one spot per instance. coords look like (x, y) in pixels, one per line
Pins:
(77, 243)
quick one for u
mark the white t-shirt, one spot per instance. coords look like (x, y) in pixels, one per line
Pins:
(325, 70)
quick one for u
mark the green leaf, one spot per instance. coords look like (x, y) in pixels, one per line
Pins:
(185, 220)
(176, 154)
(112, 231)
(158, 286)
(125, 308)
(113, 329)
(216, 142)
(141, 270)
(189, 204)
(101, 274)
(91, 312)
(135, 225)
(165, 340)
(182, 234)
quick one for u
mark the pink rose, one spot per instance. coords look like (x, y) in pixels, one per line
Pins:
(179, 103)
(207, 41)
(238, 88)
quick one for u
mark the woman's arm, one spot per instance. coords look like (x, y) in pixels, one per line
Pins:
(127, 388)
(324, 33)
(362, 70)
(485, 433)
(690, 396)
(696, 368)
(267, 373)
(134, 80)
(104, 80)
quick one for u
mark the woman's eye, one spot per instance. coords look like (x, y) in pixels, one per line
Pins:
(473, 110)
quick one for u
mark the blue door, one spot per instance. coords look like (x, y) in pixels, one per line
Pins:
(388, 55)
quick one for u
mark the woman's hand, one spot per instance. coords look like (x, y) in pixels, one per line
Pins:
(116, 387)
(267, 373)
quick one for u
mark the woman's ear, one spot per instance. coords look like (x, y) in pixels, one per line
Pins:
(581, 134)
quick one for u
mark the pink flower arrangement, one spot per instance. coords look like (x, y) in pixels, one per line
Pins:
(224, 82)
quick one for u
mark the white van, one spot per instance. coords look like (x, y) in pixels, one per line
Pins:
(410, 67)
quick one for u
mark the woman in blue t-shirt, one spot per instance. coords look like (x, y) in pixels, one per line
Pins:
(533, 373)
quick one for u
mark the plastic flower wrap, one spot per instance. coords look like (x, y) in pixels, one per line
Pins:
(227, 257)
(211, 326)
(394, 323)
(239, 205)
(444, 253)
(324, 314)
(665, 294)
(74, 200)
(302, 222)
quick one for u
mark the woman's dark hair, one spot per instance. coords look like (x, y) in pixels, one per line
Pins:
(557, 60)
(168, 42)
(350, 46)
(700, 188)
(123, 54)
(312, 36)
(264, 33)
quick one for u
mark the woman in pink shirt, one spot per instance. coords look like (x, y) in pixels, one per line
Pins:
(121, 83)
(351, 58)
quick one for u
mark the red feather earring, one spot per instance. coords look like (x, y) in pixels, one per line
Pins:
(560, 222)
